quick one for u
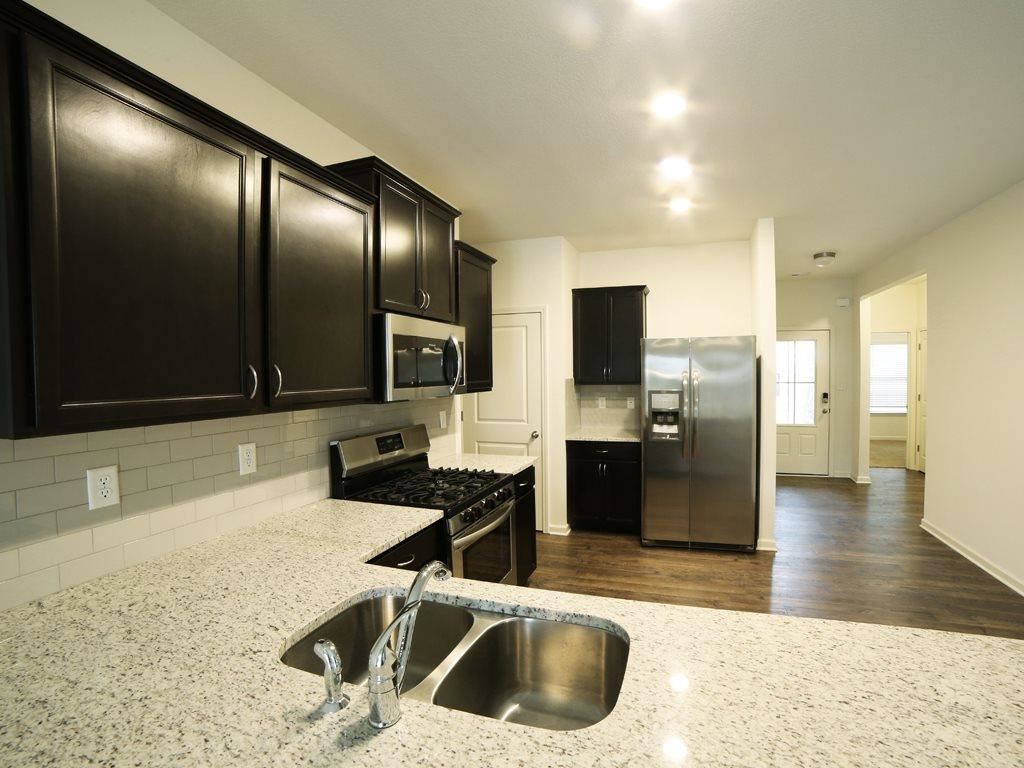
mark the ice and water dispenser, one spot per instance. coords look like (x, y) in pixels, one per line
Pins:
(664, 410)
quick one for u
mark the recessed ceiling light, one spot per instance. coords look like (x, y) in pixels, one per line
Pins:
(653, 5)
(675, 168)
(667, 105)
(680, 204)
(824, 258)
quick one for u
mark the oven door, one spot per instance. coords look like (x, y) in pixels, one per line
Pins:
(422, 358)
(487, 552)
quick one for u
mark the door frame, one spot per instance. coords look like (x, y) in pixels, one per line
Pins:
(545, 436)
(831, 400)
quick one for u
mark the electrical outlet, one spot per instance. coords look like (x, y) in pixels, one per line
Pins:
(600, 402)
(443, 417)
(246, 458)
(631, 403)
(103, 487)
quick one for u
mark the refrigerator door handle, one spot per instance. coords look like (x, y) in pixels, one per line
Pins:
(684, 413)
(696, 415)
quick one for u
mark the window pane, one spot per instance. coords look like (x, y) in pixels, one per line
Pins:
(889, 366)
(804, 404)
(783, 403)
(784, 360)
(804, 361)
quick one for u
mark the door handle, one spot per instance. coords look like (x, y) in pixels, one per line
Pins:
(534, 435)
(696, 416)
(280, 381)
(255, 382)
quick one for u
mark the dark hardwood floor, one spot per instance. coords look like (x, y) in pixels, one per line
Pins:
(846, 551)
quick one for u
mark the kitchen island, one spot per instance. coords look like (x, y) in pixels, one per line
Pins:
(177, 662)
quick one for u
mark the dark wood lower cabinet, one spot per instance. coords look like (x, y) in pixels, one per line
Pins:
(416, 551)
(526, 526)
(604, 486)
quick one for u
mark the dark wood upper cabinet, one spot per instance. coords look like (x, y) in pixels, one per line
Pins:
(475, 315)
(133, 250)
(318, 290)
(414, 241)
(608, 325)
(143, 253)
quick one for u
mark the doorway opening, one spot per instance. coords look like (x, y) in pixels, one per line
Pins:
(897, 380)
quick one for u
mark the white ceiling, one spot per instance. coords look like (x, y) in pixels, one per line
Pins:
(858, 124)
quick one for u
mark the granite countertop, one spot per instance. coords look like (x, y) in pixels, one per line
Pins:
(604, 434)
(176, 662)
(493, 461)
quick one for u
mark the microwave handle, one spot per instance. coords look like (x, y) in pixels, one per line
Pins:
(458, 372)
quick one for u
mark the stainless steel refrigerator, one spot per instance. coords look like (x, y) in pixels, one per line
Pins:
(700, 442)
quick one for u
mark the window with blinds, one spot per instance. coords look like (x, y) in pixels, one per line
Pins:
(890, 355)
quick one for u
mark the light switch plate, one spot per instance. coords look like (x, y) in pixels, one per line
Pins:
(103, 487)
(600, 402)
(246, 458)
(443, 418)
(631, 402)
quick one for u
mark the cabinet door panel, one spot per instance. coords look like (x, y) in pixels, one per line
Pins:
(399, 248)
(437, 263)
(526, 537)
(590, 336)
(319, 277)
(475, 317)
(624, 482)
(145, 282)
(587, 500)
(626, 329)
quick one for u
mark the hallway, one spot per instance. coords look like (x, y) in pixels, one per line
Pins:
(846, 551)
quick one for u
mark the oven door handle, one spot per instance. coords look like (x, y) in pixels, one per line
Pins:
(470, 539)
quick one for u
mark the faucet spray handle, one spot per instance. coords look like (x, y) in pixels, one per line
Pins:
(328, 654)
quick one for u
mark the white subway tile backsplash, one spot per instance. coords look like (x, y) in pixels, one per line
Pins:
(116, 438)
(172, 517)
(193, 533)
(9, 567)
(38, 447)
(149, 548)
(16, 475)
(74, 465)
(179, 485)
(145, 455)
(129, 529)
(212, 506)
(162, 432)
(92, 566)
(191, 448)
(29, 587)
(44, 554)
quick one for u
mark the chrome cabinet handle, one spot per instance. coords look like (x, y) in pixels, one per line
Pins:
(420, 298)
(280, 381)
(255, 382)
(601, 450)
(405, 562)
(427, 305)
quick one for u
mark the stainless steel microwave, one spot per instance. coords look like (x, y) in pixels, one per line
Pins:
(422, 358)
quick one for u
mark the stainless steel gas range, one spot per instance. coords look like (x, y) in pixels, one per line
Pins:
(478, 505)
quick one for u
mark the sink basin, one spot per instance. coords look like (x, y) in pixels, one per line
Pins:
(439, 628)
(543, 673)
(547, 674)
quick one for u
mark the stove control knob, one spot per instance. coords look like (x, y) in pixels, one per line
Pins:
(466, 516)
(478, 511)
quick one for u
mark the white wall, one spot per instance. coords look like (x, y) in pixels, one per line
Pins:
(763, 315)
(696, 290)
(539, 274)
(810, 304)
(975, 267)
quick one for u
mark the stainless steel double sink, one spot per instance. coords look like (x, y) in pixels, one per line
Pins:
(547, 674)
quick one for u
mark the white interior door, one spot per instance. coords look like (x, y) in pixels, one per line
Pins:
(507, 420)
(802, 404)
(922, 398)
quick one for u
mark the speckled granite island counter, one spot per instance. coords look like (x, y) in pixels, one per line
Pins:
(176, 662)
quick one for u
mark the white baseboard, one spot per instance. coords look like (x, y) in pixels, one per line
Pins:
(1017, 585)
(559, 530)
(767, 545)
(862, 479)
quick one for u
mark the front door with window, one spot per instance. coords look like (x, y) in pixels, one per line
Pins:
(802, 402)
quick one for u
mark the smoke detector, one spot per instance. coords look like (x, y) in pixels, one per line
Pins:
(824, 258)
